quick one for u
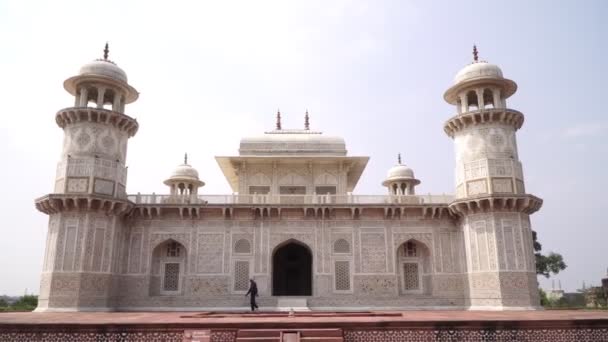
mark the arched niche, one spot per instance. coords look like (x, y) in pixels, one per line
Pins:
(168, 268)
(414, 267)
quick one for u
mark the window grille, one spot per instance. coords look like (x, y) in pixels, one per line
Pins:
(173, 249)
(411, 277)
(241, 275)
(342, 275)
(171, 278)
(242, 246)
(410, 249)
(341, 246)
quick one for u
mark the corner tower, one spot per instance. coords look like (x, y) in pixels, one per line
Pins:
(491, 201)
(88, 203)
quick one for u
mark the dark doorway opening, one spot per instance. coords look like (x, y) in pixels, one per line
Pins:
(292, 271)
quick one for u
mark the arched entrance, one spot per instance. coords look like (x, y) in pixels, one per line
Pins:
(292, 270)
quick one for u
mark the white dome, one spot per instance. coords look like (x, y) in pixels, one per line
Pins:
(184, 171)
(399, 172)
(105, 68)
(478, 70)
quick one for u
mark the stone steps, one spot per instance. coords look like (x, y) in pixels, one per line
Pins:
(292, 304)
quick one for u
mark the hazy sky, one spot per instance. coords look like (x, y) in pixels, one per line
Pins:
(373, 72)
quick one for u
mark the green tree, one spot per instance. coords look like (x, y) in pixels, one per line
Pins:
(551, 263)
(3, 303)
(544, 300)
(26, 303)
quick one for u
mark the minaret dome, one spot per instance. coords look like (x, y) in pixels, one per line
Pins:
(479, 85)
(102, 83)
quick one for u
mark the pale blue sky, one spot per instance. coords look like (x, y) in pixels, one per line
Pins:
(373, 72)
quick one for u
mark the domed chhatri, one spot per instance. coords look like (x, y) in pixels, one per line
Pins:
(480, 73)
(101, 82)
(400, 179)
(184, 179)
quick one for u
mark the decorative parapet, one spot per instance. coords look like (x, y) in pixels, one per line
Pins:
(55, 203)
(292, 200)
(121, 121)
(317, 206)
(482, 116)
(527, 204)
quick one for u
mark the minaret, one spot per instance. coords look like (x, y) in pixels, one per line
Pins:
(491, 201)
(86, 209)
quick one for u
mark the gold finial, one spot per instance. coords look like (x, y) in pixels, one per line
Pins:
(399, 158)
(475, 54)
(185, 158)
(106, 52)
(278, 119)
(306, 121)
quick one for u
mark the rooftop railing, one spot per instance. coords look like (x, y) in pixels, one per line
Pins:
(290, 199)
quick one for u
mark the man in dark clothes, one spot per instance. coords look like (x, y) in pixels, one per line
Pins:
(253, 291)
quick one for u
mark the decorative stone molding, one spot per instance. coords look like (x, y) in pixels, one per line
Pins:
(55, 203)
(487, 115)
(527, 204)
(72, 115)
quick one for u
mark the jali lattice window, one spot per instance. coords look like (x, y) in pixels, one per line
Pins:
(342, 275)
(242, 246)
(410, 249)
(411, 277)
(171, 278)
(173, 249)
(241, 275)
(341, 246)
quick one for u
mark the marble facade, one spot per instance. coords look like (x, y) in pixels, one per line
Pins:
(107, 250)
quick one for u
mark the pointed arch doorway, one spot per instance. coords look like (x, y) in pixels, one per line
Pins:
(292, 270)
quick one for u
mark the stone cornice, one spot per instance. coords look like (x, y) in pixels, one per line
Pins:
(56, 203)
(527, 204)
(72, 115)
(483, 116)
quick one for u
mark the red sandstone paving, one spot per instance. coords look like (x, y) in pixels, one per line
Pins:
(143, 318)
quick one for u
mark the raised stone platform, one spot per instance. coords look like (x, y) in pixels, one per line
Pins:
(554, 326)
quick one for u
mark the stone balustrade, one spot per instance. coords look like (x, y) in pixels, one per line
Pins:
(154, 199)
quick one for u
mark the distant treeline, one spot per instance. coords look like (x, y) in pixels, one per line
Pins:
(23, 303)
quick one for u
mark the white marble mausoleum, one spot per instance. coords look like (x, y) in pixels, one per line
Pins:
(294, 222)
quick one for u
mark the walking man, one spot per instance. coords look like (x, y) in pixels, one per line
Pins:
(253, 292)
